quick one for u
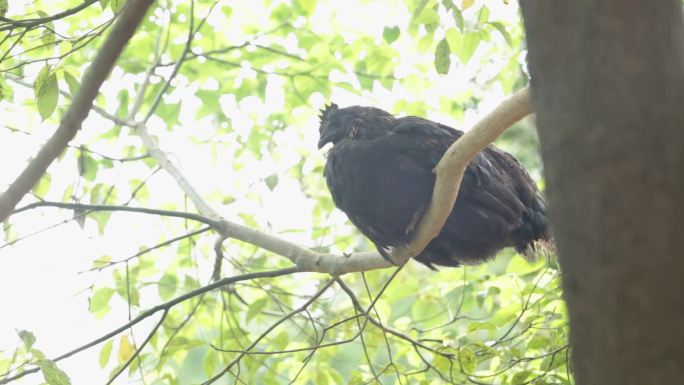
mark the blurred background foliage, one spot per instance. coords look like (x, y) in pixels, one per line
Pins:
(232, 90)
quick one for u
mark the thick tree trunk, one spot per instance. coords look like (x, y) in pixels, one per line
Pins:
(608, 89)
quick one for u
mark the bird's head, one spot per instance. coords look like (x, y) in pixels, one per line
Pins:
(355, 121)
(330, 131)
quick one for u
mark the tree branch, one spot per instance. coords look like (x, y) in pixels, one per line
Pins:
(121, 33)
(29, 23)
(86, 207)
(449, 174)
(451, 168)
(162, 307)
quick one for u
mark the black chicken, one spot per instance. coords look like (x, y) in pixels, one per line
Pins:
(379, 172)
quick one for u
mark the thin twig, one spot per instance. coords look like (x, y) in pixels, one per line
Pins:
(80, 206)
(163, 307)
(29, 23)
(268, 330)
(121, 33)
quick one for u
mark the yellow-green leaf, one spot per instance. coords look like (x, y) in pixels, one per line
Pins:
(467, 359)
(43, 185)
(126, 349)
(6, 92)
(28, 338)
(256, 307)
(167, 286)
(428, 16)
(390, 34)
(72, 82)
(465, 4)
(100, 300)
(520, 377)
(117, 5)
(271, 181)
(105, 353)
(442, 60)
(52, 374)
(3, 8)
(454, 38)
(46, 91)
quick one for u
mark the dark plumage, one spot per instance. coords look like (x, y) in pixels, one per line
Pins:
(379, 172)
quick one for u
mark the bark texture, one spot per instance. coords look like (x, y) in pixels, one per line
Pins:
(608, 89)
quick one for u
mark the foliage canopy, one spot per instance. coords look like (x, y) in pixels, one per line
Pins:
(231, 90)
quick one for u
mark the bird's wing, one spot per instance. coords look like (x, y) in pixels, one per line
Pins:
(383, 184)
(488, 200)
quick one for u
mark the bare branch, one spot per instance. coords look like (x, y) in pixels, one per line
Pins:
(121, 33)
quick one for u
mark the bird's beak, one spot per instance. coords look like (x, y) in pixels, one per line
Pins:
(323, 141)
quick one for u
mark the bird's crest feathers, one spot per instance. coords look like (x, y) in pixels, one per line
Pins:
(327, 112)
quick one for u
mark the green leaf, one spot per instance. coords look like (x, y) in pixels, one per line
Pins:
(105, 353)
(463, 46)
(6, 92)
(503, 31)
(465, 4)
(100, 300)
(307, 5)
(72, 82)
(10, 233)
(458, 18)
(3, 8)
(483, 16)
(102, 261)
(425, 42)
(419, 8)
(454, 38)
(391, 34)
(102, 218)
(52, 374)
(117, 5)
(47, 36)
(87, 166)
(256, 307)
(122, 109)
(281, 341)
(104, 3)
(210, 364)
(167, 286)
(46, 91)
(467, 359)
(428, 16)
(442, 60)
(28, 338)
(520, 377)
(271, 181)
(470, 43)
(43, 185)
(228, 200)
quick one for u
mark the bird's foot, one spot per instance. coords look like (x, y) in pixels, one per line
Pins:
(384, 251)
